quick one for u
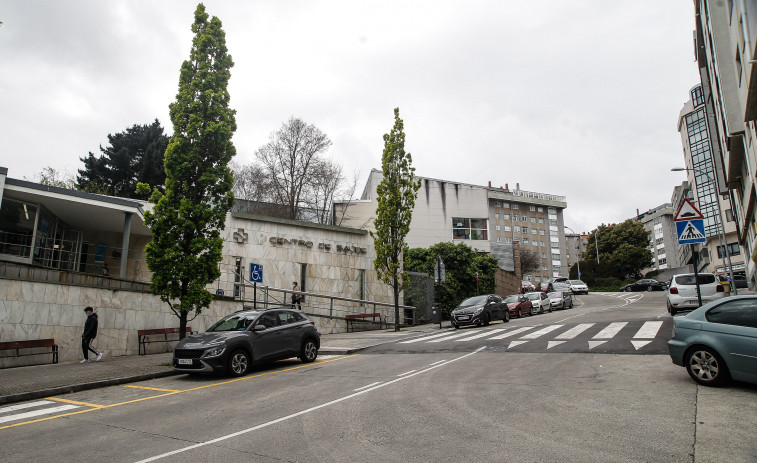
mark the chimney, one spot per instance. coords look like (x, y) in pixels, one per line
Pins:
(507, 187)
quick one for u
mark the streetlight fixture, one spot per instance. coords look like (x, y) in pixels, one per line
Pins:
(578, 262)
(721, 226)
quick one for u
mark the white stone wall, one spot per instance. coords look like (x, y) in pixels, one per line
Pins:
(32, 310)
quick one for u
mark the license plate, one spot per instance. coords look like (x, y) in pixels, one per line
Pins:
(463, 318)
(693, 302)
(185, 361)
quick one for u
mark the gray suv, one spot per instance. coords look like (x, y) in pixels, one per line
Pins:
(247, 336)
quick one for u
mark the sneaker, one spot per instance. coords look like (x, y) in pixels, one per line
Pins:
(84, 361)
(99, 356)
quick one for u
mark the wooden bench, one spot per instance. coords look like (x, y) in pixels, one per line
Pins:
(351, 319)
(31, 344)
(142, 336)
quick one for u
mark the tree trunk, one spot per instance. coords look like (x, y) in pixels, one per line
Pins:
(182, 324)
(396, 287)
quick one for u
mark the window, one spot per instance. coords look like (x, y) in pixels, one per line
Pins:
(497, 227)
(533, 219)
(541, 220)
(508, 228)
(268, 319)
(496, 203)
(741, 312)
(540, 209)
(532, 208)
(542, 232)
(516, 206)
(525, 230)
(517, 229)
(469, 229)
(525, 241)
(238, 270)
(508, 241)
(496, 216)
(499, 239)
(17, 228)
(543, 255)
(506, 205)
(534, 231)
(506, 216)
(662, 261)
(733, 249)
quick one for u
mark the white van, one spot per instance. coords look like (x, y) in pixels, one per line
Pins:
(682, 294)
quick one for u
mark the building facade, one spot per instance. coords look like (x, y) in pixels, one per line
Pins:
(575, 246)
(725, 44)
(489, 219)
(663, 242)
(698, 140)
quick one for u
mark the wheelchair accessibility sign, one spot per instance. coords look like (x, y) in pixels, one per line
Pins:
(256, 273)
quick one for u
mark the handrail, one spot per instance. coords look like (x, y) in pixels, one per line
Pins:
(336, 298)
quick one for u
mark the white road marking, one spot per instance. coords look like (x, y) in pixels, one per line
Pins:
(575, 331)
(541, 332)
(662, 315)
(459, 335)
(407, 373)
(638, 344)
(511, 333)
(648, 330)
(13, 408)
(425, 338)
(43, 411)
(302, 412)
(610, 330)
(367, 386)
(593, 344)
(481, 335)
(515, 344)
(552, 344)
(438, 361)
(328, 357)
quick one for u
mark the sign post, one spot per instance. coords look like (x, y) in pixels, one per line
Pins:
(690, 227)
(256, 276)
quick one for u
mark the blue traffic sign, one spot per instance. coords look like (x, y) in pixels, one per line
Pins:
(256, 273)
(691, 231)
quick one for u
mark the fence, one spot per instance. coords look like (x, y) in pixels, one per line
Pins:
(334, 308)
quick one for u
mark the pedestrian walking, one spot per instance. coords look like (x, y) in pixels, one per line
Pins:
(296, 298)
(89, 334)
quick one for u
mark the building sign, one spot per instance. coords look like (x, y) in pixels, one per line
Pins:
(341, 248)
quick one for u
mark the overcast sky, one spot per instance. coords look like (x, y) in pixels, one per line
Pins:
(576, 98)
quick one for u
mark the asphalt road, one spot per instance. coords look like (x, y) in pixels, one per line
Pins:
(480, 399)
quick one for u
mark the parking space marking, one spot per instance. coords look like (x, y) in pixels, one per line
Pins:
(153, 388)
(303, 412)
(102, 407)
(75, 402)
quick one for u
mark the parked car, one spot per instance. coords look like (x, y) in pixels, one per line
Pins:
(539, 302)
(480, 310)
(740, 280)
(237, 341)
(519, 305)
(560, 300)
(578, 287)
(646, 284)
(562, 287)
(527, 287)
(717, 342)
(546, 287)
(682, 294)
(558, 280)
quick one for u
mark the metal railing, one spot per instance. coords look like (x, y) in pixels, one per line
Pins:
(324, 306)
(27, 272)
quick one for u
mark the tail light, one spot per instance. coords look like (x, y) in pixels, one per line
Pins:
(312, 322)
(674, 290)
(719, 289)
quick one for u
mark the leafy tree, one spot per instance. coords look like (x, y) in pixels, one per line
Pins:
(623, 250)
(187, 220)
(396, 195)
(462, 264)
(51, 176)
(132, 156)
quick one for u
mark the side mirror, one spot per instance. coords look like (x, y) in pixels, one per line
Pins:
(259, 327)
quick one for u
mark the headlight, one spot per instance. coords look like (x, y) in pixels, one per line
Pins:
(215, 351)
(478, 311)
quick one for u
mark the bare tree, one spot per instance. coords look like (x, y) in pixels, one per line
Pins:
(325, 180)
(288, 160)
(529, 261)
(251, 182)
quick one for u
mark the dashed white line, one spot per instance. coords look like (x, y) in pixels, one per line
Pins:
(367, 386)
(437, 362)
(406, 373)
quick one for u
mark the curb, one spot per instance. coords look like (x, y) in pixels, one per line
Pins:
(20, 397)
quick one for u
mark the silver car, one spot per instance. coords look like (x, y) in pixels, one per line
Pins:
(718, 341)
(578, 287)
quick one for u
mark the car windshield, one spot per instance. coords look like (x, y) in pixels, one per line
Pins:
(476, 300)
(577, 282)
(533, 296)
(560, 286)
(510, 299)
(235, 322)
(689, 280)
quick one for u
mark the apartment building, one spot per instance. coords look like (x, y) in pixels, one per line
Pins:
(663, 242)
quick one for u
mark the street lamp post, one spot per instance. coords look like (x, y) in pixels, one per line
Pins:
(721, 226)
(578, 262)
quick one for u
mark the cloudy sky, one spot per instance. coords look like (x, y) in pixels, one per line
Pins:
(576, 98)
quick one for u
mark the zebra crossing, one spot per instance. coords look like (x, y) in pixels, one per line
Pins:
(642, 336)
(33, 409)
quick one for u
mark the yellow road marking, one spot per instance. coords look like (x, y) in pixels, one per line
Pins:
(152, 388)
(86, 404)
(100, 407)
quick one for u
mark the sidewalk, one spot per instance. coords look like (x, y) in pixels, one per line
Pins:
(33, 382)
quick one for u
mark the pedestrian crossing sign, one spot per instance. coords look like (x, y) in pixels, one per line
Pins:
(691, 231)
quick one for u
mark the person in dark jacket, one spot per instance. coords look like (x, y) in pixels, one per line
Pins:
(89, 334)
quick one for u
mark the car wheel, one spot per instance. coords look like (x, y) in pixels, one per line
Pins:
(649, 288)
(486, 319)
(673, 311)
(457, 327)
(507, 316)
(309, 351)
(706, 367)
(239, 363)
(520, 313)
